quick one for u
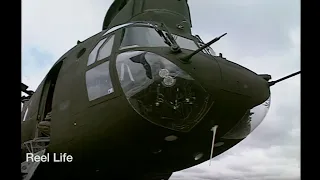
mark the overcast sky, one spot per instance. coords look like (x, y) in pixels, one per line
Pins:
(263, 35)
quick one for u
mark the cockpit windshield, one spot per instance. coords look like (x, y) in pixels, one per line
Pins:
(185, 42)
(140, 35)
(144, 34)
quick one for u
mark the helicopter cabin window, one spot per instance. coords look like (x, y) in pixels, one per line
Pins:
(142, 37)
(98, 81)
(101, 50)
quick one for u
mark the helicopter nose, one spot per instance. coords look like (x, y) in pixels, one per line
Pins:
(240, 80)
(254, 90)
(250, 120)
(160, 91)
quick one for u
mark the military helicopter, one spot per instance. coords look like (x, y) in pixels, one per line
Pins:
(141, 99)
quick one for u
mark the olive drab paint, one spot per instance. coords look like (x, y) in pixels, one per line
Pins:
(139, 99)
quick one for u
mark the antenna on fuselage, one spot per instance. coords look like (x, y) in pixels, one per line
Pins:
(271, 83)
(188, 57)
(267, 77)
(174, 47)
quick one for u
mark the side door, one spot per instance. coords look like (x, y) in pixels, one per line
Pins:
(29, 115)
(45, 104)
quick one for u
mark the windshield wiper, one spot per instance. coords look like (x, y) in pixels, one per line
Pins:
(168, 39)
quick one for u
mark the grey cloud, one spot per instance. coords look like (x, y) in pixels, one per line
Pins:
(194, 170)
(256, 26)
(240, 168)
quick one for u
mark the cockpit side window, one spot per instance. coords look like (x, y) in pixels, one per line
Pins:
(106, 49)
(207, 50)
(94, 52)
(102, 50)
(98, 80)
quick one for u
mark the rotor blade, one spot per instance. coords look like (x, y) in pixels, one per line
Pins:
(24, 89)
(271, 83)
